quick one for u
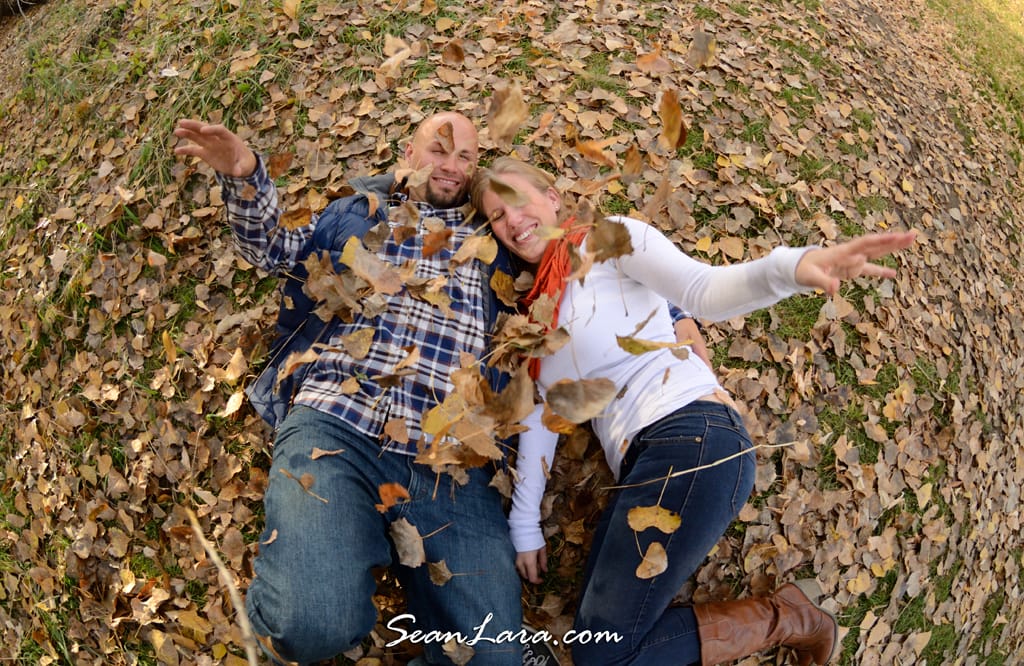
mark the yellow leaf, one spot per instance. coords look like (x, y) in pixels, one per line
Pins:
(703, 244)
(170, 350)
(642, 517)
(234, 403)
(924, 495)
(290, 8)
(444, 23)
(908, 186)
(655, 561)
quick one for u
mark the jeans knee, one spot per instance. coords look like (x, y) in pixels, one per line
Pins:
(307, 633)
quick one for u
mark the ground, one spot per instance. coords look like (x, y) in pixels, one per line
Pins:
(890, 417)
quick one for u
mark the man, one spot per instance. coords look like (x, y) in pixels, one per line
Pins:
(348, 423)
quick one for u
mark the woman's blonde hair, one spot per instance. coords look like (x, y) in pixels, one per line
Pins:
(535, 176)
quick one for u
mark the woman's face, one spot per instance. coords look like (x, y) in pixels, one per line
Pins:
(515, 226)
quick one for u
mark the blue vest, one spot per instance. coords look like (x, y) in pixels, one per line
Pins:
(298, 326)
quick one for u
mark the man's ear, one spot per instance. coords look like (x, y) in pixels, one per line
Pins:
(408, 152)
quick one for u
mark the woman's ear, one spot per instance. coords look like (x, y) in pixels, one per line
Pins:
(555, 198)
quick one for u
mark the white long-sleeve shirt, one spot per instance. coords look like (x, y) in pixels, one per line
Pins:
(614, 299)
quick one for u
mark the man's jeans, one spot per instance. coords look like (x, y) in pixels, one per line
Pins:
(614, 598)
(313, 588)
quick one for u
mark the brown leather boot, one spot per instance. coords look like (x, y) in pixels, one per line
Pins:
(730, 630)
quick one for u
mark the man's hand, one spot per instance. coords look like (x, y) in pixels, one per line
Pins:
(216, 145)
(824, 268)
(687, 331)
(531, 562)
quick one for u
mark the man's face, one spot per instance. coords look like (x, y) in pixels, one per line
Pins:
(447, 142)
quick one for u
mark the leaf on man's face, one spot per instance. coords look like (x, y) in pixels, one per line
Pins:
(655, 562)
(408, 543)
(445, 135)
(581, 400)
(641, 518)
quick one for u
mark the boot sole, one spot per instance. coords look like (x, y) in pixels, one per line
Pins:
(812, 590)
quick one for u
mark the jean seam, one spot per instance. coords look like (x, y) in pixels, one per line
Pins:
(668, 543)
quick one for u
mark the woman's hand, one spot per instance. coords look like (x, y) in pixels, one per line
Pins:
(529, 563)
(824, 268)
(216, 145)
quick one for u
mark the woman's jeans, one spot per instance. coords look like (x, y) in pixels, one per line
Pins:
(312, 594)
(614, 598)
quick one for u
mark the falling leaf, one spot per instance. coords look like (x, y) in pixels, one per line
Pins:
(579, 401)
(653, 62)
(383, 276)
(632, 164)
(390, 494)
(507, 112)
(673, 128)
(396, 429)
(357, 344)
(655, 562)
(278, 164)
(296, 218)
(642, 517)
(439, 573)
(702, 50)
(484, 248)
(408, 543)
(608, 240)
(595, 151)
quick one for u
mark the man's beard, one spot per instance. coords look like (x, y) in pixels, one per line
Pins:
(444, 200)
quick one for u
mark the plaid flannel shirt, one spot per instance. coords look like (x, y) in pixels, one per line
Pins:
(407, 323)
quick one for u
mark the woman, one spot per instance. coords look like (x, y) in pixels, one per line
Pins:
(670, 415)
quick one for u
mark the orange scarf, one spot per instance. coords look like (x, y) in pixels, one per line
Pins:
(554, 267)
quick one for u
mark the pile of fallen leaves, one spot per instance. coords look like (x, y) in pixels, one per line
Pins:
(131, 327)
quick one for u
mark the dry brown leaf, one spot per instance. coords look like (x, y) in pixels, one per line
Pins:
(408, 543)
(439, 573)
(655, 561)
(506, 113)
(382, 276)
(581, 400)
(673, 127)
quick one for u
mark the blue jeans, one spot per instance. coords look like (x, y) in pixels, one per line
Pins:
(614, 599)
(312, 593)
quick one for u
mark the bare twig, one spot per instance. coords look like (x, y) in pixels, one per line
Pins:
(248, 637)
(701, 468)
